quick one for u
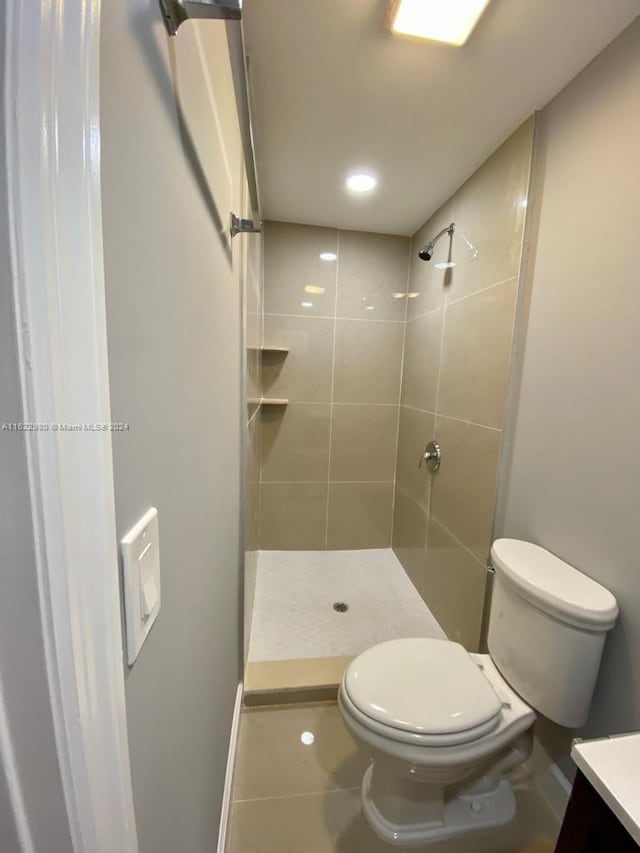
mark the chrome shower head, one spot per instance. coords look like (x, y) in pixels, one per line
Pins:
(426, 252)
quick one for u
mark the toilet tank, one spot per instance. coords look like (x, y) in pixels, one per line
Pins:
(547, 628)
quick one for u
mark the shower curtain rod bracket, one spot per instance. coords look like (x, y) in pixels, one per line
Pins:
(176, 12)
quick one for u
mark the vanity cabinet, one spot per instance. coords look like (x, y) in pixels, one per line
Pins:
(590, 826)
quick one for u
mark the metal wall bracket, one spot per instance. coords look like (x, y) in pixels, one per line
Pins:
(243, 226)
(176, 12)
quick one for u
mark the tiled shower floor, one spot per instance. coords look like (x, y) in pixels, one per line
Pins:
(293, 615)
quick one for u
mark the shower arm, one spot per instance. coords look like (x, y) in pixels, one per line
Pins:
(431, 244)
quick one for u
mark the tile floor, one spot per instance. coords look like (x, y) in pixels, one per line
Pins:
(293, 615)
(296, 790)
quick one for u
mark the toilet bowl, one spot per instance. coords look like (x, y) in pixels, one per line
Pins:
(444, 726)
(441, 732)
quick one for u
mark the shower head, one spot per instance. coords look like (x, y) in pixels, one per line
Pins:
(426, 252)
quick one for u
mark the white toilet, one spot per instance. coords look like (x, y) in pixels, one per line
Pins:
(443, 726)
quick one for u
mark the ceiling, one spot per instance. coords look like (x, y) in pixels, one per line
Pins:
(333, 91)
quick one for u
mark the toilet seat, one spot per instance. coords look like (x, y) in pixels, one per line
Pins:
(421, 691)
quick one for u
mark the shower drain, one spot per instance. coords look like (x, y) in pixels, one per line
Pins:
(340, 606)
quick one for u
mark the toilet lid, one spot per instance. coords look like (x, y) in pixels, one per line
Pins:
(422, 686)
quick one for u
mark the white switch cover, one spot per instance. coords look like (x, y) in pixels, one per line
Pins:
(141, 580)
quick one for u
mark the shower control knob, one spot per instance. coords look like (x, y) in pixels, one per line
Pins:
(432, 456)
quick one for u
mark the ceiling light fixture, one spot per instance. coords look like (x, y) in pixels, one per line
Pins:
(361, 182)
(313, 288)
(450, 21)
(307, 304)
(328, 256)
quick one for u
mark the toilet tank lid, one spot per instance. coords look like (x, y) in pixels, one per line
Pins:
(553, 585)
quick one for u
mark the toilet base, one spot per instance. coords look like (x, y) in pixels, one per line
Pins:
(441, 819)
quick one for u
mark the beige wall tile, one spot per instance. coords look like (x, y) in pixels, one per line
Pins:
(454, 587)
(304, 374)
(252, 495)
(464, 489)
(371, 268)
(416, 430)
(359, 515)
(424, 277)
(367, 362)
(421, 360)
(409, 537)
(363, 442)
(295, 442)
(293, 516)
(476, 355)
(292, 263)
(489, 215)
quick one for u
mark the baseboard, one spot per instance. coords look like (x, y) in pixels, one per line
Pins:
(225, 812)
(549, 780)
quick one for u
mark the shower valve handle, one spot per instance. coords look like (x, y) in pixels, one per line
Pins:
(432, 456)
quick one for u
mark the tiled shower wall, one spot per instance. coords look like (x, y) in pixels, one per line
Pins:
(328, 457)
(456, 366)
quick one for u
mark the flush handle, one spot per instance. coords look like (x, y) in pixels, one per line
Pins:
(432, 456)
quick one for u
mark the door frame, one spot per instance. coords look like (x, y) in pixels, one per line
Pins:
(51, 112)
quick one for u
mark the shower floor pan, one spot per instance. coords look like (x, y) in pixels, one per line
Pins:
(315, 610)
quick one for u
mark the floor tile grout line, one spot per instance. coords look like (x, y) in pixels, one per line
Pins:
(321, 793)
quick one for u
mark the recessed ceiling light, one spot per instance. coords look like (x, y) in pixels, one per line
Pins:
(398, 295)
(307, 304)
(361, 182)
(445, 265)
(328, 256)
(371, 307)
(313, 288)
(412, 295)
(451, 21)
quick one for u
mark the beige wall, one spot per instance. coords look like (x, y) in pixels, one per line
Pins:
(456, 367)
(328, 457)
(572, 481)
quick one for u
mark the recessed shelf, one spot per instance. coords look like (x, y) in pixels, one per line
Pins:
(274, 401)
(267, 401)
(267, 350)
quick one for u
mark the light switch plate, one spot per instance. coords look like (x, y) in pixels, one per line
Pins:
(141, 580)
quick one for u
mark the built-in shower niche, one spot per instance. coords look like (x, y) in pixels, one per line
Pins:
(271, 360)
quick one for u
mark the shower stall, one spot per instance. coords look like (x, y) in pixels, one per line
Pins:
(362, 350)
